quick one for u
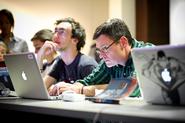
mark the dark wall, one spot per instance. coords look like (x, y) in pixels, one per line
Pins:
(152, 21)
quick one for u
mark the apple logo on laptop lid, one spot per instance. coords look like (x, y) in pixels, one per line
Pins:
(24, 76)
(165, 74)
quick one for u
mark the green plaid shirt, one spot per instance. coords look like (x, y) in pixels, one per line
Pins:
(103, 74)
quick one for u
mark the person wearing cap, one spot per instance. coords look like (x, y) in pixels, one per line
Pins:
(38, 40)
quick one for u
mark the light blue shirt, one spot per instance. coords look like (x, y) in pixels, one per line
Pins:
(17, 45)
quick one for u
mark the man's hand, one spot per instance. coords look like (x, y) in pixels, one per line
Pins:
(76, 87)
(47, 51)
(63, 86)
(58, 88)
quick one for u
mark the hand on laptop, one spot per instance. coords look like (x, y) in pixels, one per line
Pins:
(63, 86)
(77, 87)
(58, 88)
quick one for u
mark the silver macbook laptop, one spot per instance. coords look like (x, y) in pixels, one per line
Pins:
(161, 73)
(26, 77)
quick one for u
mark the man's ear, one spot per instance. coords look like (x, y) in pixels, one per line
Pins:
(75, 40)
(123, 41)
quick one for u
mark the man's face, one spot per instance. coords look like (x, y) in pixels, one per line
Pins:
(63, 35)
(163, 61)
(37, 44)
(109, 51)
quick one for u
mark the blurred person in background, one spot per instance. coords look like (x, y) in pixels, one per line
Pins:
(38, 40)
(14, 44)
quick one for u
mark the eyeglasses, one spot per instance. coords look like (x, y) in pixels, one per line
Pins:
(104, 49)
(59, 30)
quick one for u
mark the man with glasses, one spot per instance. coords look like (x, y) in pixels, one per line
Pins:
(114, 44)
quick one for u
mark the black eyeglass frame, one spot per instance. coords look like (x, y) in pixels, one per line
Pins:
(104, 49)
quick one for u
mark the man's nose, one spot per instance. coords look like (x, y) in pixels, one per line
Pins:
(102, 55)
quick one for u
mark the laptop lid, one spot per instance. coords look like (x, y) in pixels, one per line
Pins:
(25, 75)
(161, 73)
(115, 91)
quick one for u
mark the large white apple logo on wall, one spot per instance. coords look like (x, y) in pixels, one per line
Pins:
(166, 75)
(24, 76)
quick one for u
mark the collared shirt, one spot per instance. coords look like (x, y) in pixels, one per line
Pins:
(103, 74)
(17, 45)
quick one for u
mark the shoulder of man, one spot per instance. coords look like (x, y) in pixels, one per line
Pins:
(18, 39)
(87, 60)
(140, 44)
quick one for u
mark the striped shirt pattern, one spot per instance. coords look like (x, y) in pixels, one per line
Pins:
(103, 74)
